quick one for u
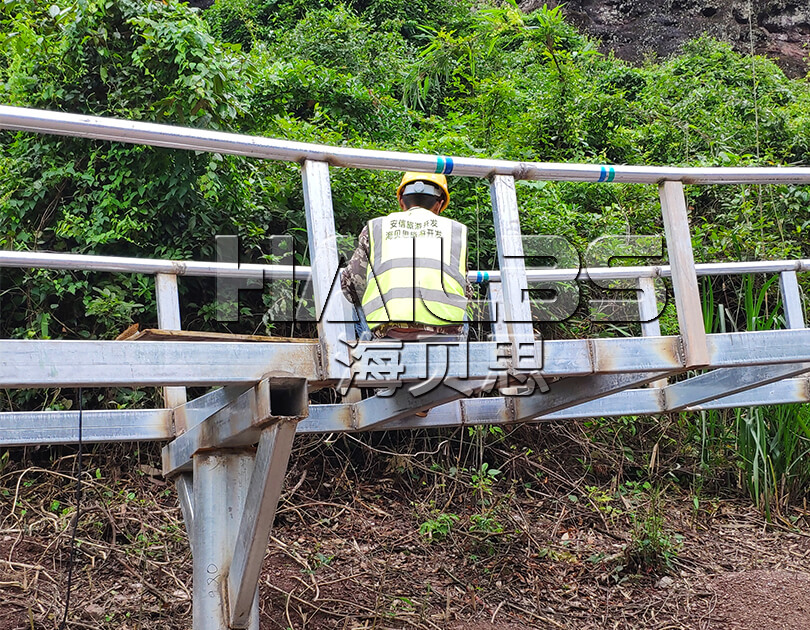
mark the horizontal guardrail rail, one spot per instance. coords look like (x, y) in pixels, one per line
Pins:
(191, 268)
(191, 139)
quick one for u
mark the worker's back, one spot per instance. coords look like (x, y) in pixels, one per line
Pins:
(417, 270)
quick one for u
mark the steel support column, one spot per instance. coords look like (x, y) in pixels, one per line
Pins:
(221, 482)
(256, 523)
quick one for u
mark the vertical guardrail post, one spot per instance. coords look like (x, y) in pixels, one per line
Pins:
(517, 312)
(791, 299)
(684, 278)
(332, 310)
(168, 311)
(648, 314)
(221, 483)
(496, 313)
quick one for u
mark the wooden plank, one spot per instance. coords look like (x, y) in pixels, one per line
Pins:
(159, 334)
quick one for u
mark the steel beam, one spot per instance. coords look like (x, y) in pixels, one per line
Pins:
(476, 361)
(34, 363)
(185, 496)
(762, 347)
(380, 410)
(31, 428)
(571, 392)
(496, 410)
(208, 404)
(516, 304)
(168, 312)
(40, 363)
(151, 266)
(499, 333)
(725, 382)
(791, 390)
(263, 493)
(246, 414)
(791, 299)
(648, 314)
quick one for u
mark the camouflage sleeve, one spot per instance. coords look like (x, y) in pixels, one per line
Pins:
(469, 292)
(353, 277)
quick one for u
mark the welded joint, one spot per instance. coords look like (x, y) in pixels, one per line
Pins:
(593, 356)
(321, 370)
(661, 395)
(179, 418)
(680, 351)
(263, 406)
(511, 408)
(521, 171)
(354, 416)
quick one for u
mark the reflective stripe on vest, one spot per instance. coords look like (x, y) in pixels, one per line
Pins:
(417, 270)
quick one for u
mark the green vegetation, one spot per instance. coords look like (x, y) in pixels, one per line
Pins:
(444, 76)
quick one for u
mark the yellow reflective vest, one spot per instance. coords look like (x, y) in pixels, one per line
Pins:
(417, 270)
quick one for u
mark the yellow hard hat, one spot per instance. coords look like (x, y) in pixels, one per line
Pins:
(433, 178)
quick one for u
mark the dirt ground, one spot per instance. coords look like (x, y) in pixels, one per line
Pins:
(347, 552)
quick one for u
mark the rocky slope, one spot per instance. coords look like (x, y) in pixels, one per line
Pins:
(634, 29)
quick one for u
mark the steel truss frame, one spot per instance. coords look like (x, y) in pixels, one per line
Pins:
(228, 449)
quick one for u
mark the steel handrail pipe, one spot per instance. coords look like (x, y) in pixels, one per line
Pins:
(151, 266)
(193, 139)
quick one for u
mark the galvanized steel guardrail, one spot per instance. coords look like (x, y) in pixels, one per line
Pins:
(188, 138)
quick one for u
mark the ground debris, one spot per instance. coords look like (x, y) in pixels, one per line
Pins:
(515, 554)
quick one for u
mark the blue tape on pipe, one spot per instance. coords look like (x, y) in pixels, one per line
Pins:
(602, 175)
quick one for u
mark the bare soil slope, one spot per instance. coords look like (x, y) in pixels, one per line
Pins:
(347, 551)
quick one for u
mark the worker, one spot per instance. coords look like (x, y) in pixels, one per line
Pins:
(408, 275)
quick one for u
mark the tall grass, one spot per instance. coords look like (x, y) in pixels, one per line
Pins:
(771, 444)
